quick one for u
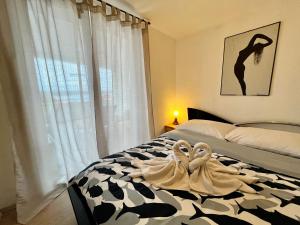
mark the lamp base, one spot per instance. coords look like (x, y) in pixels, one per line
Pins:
(175, 122)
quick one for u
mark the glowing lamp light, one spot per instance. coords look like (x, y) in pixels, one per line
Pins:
(175, 113)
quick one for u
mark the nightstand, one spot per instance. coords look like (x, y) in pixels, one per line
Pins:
(169, 127)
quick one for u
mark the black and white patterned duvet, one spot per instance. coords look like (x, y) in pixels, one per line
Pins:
(115, 198)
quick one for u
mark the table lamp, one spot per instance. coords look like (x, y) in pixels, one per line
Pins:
(175, 113)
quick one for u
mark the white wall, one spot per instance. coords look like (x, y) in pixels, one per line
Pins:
(199, 69)
(7, 178)
(162, 66)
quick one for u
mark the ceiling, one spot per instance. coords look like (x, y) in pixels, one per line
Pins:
(180, 18)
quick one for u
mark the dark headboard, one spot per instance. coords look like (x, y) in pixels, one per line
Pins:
(202, 115)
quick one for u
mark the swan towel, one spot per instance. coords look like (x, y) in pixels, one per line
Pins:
(196, 172)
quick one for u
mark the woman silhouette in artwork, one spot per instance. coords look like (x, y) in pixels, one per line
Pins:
(257, 49)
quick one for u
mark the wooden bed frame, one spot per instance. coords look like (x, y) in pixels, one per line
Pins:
(200, 114)
(81, 209)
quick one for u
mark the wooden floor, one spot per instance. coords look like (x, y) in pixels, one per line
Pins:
(59, 212)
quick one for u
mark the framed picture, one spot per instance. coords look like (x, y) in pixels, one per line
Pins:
(248, 61)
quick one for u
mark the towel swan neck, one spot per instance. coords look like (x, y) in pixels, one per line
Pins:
(179, 154)
(199, 147)
(197, 160)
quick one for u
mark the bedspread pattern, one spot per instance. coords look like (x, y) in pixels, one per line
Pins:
(115, 198)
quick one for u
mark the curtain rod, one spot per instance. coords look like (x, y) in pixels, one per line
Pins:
(110, 5)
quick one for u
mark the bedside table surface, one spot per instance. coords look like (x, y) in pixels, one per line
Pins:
(170, 127)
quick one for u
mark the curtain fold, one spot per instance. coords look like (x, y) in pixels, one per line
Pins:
(118, 52)
(145, 34)
(75, 89)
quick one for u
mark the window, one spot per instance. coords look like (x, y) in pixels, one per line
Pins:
(65, 81)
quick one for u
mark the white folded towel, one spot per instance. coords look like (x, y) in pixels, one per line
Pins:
(195, 172)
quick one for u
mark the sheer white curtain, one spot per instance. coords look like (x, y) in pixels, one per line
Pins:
(53, 67)
(119, 58)
(81, 92)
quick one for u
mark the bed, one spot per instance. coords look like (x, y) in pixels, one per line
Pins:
(103, 193)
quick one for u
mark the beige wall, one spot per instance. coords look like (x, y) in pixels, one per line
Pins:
(199, 69)
(162, 65)
(7, 178)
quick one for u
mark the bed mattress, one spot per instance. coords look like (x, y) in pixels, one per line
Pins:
(112, 197)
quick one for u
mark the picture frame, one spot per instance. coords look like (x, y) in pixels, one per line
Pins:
(248, 61)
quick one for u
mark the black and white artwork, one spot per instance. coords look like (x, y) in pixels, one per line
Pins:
(248, 61)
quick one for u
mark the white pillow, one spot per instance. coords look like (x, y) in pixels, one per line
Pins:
(282, 142)
(207, 127)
